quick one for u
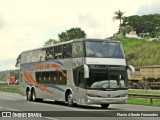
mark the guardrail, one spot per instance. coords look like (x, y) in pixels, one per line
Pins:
(150, 96)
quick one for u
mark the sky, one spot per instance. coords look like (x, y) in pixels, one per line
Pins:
(28, 24)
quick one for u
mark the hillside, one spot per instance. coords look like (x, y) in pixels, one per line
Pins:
(141, 52)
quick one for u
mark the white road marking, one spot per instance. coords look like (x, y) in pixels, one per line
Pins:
(9, 94)
(64, 107)
(7, 99)
(51, 118)
(11, 109)
(8, 109)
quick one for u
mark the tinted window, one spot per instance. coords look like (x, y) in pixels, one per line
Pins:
(104, 49)
(23, 58)
(29, 57)
(33, 56)
(58, 52)
(49, 53)
(67, 50)
(38, 55)
(51, 77)
(41, 56)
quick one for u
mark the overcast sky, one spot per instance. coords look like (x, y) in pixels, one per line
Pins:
(27, 24)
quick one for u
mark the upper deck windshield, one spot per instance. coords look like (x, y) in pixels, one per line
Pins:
(104, 49)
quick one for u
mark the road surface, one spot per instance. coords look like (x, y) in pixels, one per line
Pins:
(15, 102)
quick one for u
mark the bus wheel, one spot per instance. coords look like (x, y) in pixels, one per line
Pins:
(104, 105)
(70, 99)
(34, 95)
(34, 98)
(28, 95)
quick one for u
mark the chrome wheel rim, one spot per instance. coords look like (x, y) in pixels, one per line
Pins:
(33, 97)
(28, 95)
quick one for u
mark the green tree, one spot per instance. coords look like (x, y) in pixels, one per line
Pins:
(118, 16)
(51, 42)
(73, 33)
(126, 29)
(146, 24)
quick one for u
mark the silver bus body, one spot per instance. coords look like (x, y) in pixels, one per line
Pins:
(86, 79)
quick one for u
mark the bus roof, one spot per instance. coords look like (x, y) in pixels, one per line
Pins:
(70, 41)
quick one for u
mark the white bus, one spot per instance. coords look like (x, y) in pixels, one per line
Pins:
(82, 71)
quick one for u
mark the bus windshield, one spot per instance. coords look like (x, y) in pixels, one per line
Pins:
(104, 49)
(100, 79)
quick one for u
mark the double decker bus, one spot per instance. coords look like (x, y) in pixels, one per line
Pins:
(82, 71)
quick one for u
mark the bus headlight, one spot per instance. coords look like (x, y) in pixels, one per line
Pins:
(90, 101)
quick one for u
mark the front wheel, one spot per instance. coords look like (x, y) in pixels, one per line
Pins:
(70, 100)
(104, 105)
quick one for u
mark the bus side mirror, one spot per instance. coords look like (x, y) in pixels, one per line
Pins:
(86, 71)
(132, 69)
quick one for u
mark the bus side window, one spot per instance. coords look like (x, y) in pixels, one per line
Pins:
(62, 79)
(23, 58)
(29, 57)
(49, 54)
(55, 77)
(67, 50)
(58, 52)
(77, 49)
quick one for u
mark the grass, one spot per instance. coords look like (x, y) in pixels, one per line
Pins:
(9, 88)
(141, 52)
(143, 101)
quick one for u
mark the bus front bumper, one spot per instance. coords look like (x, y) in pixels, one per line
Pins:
(97, 100)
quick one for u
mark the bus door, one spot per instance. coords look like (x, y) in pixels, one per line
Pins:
(80, 84)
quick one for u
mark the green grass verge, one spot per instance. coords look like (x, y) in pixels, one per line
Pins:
(144, 101)
(9, 88)
(141, 52)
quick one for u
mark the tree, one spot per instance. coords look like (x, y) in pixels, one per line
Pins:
(51, 42)
(118, 16)
(146, 24)
(73, 33)
(126, 29)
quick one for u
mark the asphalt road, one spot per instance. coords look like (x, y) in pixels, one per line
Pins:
(17, 103)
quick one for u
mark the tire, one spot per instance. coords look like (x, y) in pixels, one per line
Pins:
(70, 100)
(104, 105)
(34, 98)
(33, 94)
(28, 95)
